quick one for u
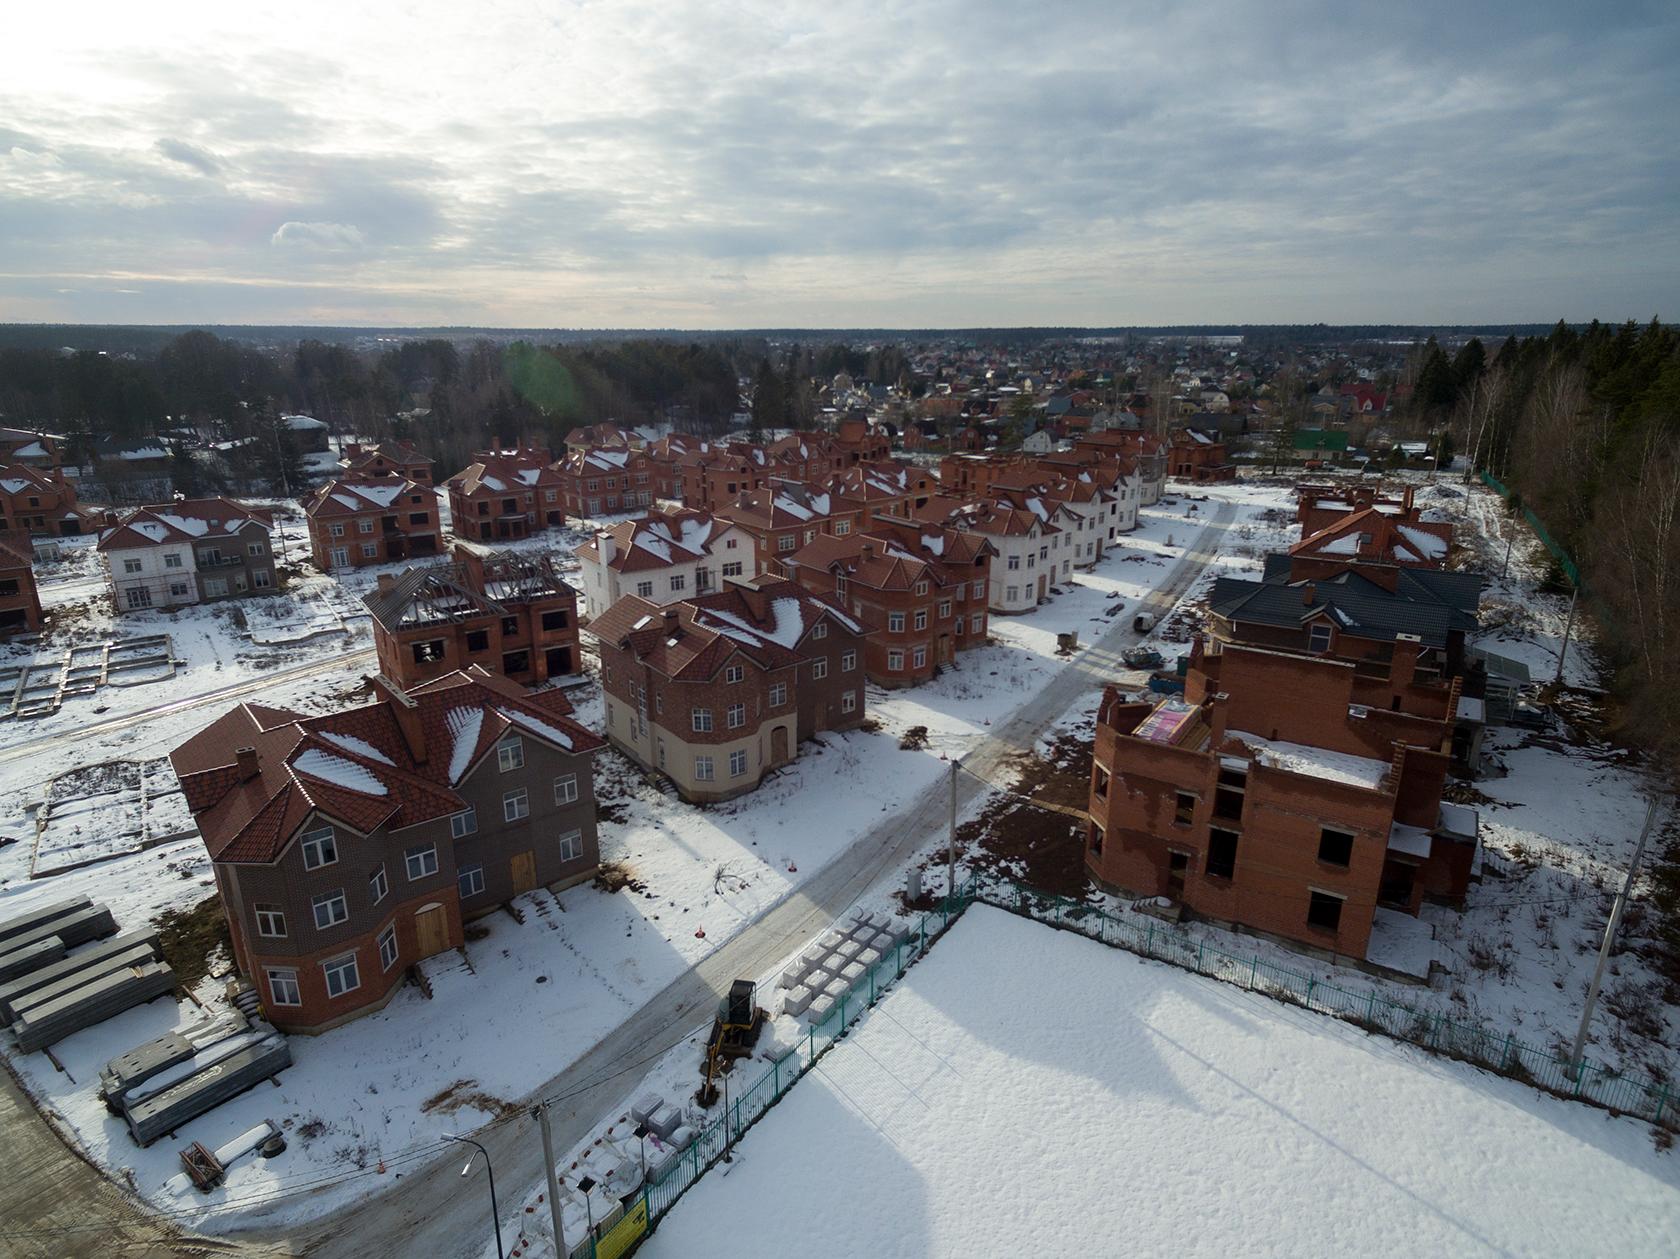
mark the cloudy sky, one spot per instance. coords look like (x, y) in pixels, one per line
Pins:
(600, 163)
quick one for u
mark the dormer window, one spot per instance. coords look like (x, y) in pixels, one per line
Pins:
(1318, 638)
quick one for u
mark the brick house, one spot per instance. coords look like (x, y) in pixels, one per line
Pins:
(20, 602)
(863, 442)
(1266, 797)
(663, 557)
(356, 523)
(804, 456)
(598, 437)
(1318, 505)
(717, 690)
(34, 502)
(606, 481)
(893, 489)
(192, 551)
(41, 451)
(664, 456)
(922, 589)
(512, 614)
(504, 495)
(350, 846)
(1028, 548)
(786, 515)
(710, 475)
(386, 459)
(1148, 453)
(1198, 456)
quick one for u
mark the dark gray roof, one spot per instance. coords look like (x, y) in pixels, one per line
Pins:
(1429, 609)
(447, 591)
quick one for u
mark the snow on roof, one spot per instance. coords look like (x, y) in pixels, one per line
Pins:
(1311, 762)
(1458, 819)
(1428, 545)
(609, 458)
(787, 628)
(14, 486)
(493, 483)
(1411, 841)
(934, 542)
(537, 726)
(1347, 544)
(527, 476)
(32, 451)
(300, 423)
(361, 747)
(150, 529)
(339, 772)
(465, 724)
(185, 524)
(143, 452)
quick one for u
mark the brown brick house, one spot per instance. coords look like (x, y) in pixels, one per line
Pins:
(710, 475)
(1371, 535)
(1318, 505)
(504, 495)
(1266, 797)
(42, 451)
(664, 557)
(605, 481)
(35, 502)
(718, 690)
(386, 459)
(356, 523)
(348, 847)
(20, 602)
(189, 551)
(786, 515)
(921, 588)
(664, 456)
(1198, 456)
(512, 614)
(893, 489)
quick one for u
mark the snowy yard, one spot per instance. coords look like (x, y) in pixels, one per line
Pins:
(1027, 1091)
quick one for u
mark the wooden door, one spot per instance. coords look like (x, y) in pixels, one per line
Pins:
(431, 930)
(778, 745)
(524, 868)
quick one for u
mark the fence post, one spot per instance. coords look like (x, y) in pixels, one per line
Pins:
(1371, 1007)
(1253, 969)
(1149, 944)
(776, 1065)
(1662, 1104)
(1311, 984)
(872, 985)
(1505, 1058)
(1200, 949)
(811, 1042)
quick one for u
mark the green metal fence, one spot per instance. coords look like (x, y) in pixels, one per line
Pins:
(1551, 544)
(1596, 1083)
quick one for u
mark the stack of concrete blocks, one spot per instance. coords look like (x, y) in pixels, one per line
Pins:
(817, 980)
(668, 1132)
(40, 936)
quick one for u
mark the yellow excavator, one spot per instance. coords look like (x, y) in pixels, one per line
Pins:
(735, 1031)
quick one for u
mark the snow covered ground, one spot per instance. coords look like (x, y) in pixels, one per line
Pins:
(1027, 1091)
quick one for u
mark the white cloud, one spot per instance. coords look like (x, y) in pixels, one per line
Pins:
(322, 236)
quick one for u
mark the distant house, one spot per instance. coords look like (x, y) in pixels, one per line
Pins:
(308, 434)
(664, 557)
(42, 451)
(356, 523)
(1195, 455)
(387, 459)
(504, 495)
(348, 847)
(785, 515)
(36, 502)
(186, 552)
(20, 602)
(605, 481)
(512, 614)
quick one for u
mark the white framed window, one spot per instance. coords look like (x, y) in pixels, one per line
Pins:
(678, 581)
(703, 768)
(271, 921)
(565, 789)
(516, 805)
(819, 668)
(330, 909)
(921, 587)
(979, 590)
(738, 763)
(842, 528)
(921, 618)
(319, 848)
(919, 657)
(172, 560)
(1318, 638)
(256, 548)
(778, 694)
(388, 947)
(340, 556)
(378, 886)
(895, 662)
(470, 881)
(510, 755)
(895, 622)
(370, 550)
(820, 630)
(131, 566)
(283, 986)
(734, 673)
(364, 526)
(786, 542)
(571, 845)
(848, 702)
(1014, 563)
(644, 589)
(463, 823)
(342, 975)
(944, 609)
(732, 569)
(976, 621)
(736, 716)
(261, 579)
(700, 719)
(180, 590)
(215, 587)
(421, 862)
(848, 661)
(1011, 593)
(335, 530)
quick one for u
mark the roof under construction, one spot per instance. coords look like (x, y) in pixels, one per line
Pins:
(465, 588)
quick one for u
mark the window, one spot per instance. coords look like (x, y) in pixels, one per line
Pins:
(786, 542)
(1318, 638)
(895, 622)
(571, 845)
(732, 570)
(977, 621)
(516, 805)
(1096, 837)
(944, 609)
(388, 947)
(1099, 780)
(342, 976)
(215, 587)
(1011, 593)
(463, 823)
(921, 618)
(1184, 808)
(1014, 562)
(256, 548)
(1221, 853)
(1335, 847)
(848, 702)
(921, 587)
(478, 640)
(703, 768)
(171, 560)
(565, 789)
(378, 886)
(470, 881)
(364, 526)
(319, 848)
(979, 590)
(820, 630)
(644, 589)
(895, 662)
(419, 518)
(510, 755)
(336, 531)
(1324, 911)
(842, 528)
(271, 921)
(677, 582)
(734, 673)
(848, 661)
(819, 668)
(261, 579)
(428, 652)
(283, 987)
(737, 763)
(138, 597)
(330, 909)
(340, 556)
(700, 719)
(918, 658)
(778, 694)
(180, 590)
(131, 566)
(370, 550)
(421, 862)
(557, 620)
(736, 716)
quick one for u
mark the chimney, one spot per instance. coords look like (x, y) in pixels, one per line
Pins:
(352, 450)
(867, 551)
(386, 581)
(1406, 499)
(246, 760)
(1309, 593)
(608, 546)
(406, 713)
(1216, 711)
(673, 622)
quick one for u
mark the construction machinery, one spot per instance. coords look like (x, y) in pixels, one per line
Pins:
(735, 1031)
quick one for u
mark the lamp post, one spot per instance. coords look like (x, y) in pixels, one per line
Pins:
(495, 1213)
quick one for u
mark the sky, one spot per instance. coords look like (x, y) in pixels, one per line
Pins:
(746, 164)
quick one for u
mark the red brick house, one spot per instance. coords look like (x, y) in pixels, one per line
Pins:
(356, 523)
(387, 459)
(505, 495)
(41, 451)
(786, 515)
(1197, 456)
(511, 614)
(893, 489)
(804, 456)
(863, 442)
(664, 456)
(711, 475)
(719, 690)
(350, 846)
(921, 589)
(20, 602)
(1265, 796)
(34, 502)
(605, 481)
(598, 437)
(1372, 536)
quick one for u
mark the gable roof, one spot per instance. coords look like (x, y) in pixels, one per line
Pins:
(658, 540)
(1357, 605)
(188, 520)
(352, 498)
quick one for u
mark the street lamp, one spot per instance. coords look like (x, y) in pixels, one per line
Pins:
(495, 1214)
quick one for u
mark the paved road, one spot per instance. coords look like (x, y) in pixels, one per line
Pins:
(237, 690)
(433, 1211)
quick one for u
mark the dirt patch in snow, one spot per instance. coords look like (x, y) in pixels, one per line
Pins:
(466, 1094)
(192, 939)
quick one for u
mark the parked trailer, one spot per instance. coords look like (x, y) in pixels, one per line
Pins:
(39, 978)
(36, 917)
(167, 1110)
(94, 1002)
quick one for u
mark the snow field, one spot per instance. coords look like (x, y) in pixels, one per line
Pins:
(1027, 1091)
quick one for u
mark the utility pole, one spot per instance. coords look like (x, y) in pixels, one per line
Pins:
(541, 1113)
(951, 852)
(1568, 625)
(1610, 936)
